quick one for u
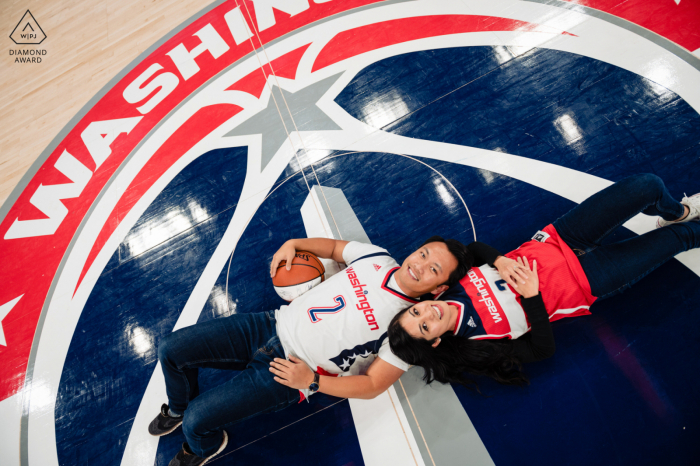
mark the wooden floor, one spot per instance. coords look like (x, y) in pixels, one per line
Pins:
(87, 43)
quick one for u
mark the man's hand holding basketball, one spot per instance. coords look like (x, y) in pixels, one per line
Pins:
(321, 247)
(285, 253)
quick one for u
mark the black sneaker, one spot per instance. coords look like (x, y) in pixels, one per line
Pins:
(163, 424)
(185, 457)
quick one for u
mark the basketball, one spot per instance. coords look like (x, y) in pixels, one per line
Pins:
(306, 272)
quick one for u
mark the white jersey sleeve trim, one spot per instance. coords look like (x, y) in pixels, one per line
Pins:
(568, 311)
(354, 251)
(388, 356)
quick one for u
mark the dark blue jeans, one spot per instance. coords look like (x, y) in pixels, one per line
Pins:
(613, 268)
(243, 342)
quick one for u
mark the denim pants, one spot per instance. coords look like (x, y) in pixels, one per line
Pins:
(612, 268)
(243, 342)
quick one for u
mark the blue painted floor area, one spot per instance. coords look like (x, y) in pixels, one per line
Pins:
(137, 301)
(621, 388)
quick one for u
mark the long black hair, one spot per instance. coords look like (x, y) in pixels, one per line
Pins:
(454, 356)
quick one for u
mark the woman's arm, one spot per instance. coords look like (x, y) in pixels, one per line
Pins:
(294, 373)
(483, 253)
(539, 343)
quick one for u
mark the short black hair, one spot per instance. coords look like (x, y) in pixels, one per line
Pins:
(465, 259)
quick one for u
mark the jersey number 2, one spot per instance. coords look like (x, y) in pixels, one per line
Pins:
(315, 312)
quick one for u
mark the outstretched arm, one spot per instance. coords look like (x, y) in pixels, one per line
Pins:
(322, 247)
(483, 253)
(538, 344)
(295, 373)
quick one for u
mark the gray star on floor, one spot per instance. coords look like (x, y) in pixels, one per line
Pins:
(307, 116)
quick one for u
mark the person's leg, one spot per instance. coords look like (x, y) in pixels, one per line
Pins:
(613, 268)
(585, 226)
(226, 343)
(250, 393)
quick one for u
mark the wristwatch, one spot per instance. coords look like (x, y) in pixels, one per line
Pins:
(313, 387)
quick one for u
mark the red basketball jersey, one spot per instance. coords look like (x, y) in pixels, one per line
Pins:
(563, 284)
(490, 308)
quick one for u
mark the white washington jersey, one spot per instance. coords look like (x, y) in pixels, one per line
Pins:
(339, 327)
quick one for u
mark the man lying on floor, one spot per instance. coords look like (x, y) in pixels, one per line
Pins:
(336, 328)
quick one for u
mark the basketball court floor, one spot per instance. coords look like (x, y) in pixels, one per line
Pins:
(158, 155)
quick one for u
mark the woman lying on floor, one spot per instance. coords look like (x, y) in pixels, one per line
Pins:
(495, 319)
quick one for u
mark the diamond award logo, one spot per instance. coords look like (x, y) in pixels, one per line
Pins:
(28, 31)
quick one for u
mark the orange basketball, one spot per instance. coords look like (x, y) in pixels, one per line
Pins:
(307, 271)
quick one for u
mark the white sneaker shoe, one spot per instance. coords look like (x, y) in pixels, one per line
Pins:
(693, 204)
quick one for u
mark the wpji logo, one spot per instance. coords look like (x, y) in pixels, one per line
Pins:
(28, 32)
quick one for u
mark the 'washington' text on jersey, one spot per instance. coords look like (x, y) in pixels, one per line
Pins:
(363, 304)
(481, 288)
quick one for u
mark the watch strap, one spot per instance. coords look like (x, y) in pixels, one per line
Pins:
(313, 387)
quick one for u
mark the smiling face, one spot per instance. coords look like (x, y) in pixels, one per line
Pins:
(426, 270)
(429, 320)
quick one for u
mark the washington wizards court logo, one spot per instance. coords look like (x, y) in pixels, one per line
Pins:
(223, 136)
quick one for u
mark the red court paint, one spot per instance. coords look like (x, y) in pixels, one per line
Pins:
(357, 41)
(677, 21)
(284, 67)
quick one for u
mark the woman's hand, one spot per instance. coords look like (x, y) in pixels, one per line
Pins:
(293, 372)
(510, 271)
(531, 285)
(285, 253)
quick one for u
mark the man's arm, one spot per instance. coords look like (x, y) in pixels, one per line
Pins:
(322, 247)
(295, 373)
(379, 377)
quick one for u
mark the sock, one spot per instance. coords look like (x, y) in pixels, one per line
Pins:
(171, 414)
(684, 214)
(186, 447)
